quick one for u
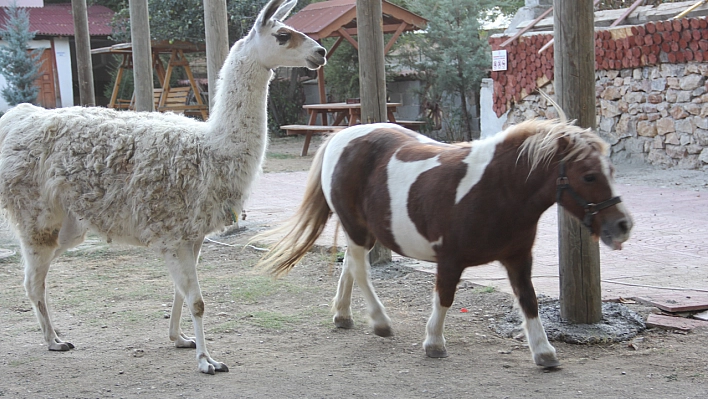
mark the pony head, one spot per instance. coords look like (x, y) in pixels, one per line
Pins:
(280, 45)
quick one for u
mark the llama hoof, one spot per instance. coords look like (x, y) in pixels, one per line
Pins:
(220, 367)
(60, 346)
(343, 322)
(546, 360)
(383, 331)
(436, 353)
(184, 341)
(208, 369)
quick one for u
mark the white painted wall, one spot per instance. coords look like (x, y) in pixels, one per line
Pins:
(489, 123)
(22, 3)
(62, 53)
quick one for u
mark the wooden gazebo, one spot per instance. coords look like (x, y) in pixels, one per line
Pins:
(337, 18)
(167, 98)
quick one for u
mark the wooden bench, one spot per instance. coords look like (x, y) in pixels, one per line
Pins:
(308, 131)
(413, 125)
(177, 101)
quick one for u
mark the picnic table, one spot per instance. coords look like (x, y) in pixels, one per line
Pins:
(340, 115)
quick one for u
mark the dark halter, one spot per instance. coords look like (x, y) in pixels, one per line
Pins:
(591, 209)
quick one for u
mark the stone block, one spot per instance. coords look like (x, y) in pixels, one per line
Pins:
(691, 82)
(611, 93)
(685, 139)
(678, 111)
(672, 138)
(655, 98)
(664, 126)
(701, 123)
(689, 162)
(637, 145)
(658, 142)
(675, 151)
(658, 84)
(646, 129)
(654, 116)
(701, 137)
(609, 108)
(694, 149)
(659, 157)
(672, 82)
(685, 125)
(606, 125)
(635, 97)
(692, 108)
(626, 126)
(639, 85)
(649, 108)
(704, 156)
(671, 70)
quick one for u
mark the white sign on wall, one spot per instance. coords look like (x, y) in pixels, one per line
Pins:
(499, 60)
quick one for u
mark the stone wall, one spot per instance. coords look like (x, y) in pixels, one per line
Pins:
(656, 114)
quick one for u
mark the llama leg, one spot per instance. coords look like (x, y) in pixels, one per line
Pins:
(37, 259)
(519, 271)
(181, 339)
(343, 299)
(71, 234)
(182, 266)
(358, 264)
(445, 287)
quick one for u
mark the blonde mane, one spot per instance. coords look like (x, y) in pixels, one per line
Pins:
(544, 138)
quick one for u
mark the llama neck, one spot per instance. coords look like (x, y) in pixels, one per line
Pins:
(238, 122)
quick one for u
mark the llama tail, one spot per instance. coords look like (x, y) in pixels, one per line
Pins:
(300, 232)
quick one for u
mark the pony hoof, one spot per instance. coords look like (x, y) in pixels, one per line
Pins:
(221, 367)
(436, 353)
(60, 346)
(344, 322)
(384, 331)
(546, 360)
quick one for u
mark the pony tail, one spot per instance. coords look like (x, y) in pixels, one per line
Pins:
(300, 232)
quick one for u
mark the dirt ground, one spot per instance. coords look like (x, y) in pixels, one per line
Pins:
(278, 340)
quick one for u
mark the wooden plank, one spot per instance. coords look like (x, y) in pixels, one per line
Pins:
(579, 254)
(674, 323)
(676, 302)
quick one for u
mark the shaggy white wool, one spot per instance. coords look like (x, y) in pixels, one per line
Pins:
(146, 178)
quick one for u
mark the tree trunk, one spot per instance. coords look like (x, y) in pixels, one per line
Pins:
(142, 55)
(217, 41)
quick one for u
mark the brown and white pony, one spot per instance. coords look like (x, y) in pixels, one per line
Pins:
(459, 205)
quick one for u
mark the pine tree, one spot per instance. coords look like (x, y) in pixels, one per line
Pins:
(18, 65)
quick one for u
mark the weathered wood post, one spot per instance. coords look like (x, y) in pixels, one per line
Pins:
(142, 55)
(372, 80)
(579, 254)
(87, 95)
(217, 41)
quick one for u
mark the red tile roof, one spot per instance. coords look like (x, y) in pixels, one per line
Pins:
(57, 20)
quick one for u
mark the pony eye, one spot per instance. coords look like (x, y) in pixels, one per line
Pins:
(282, 38)
(589, 178)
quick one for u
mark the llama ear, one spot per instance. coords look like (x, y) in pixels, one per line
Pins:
(269, 11)
(284, 10)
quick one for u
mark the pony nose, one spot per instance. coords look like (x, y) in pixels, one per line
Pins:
(624, 226)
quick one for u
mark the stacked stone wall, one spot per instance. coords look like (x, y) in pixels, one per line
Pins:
(656, 114)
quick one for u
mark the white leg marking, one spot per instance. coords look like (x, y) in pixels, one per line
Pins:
(358, 264)
(544, 354)
(434, 343)
(341, 303)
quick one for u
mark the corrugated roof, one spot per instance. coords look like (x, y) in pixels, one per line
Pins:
(323, 19)
(57, 20)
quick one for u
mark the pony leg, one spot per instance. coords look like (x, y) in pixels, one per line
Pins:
(37, 259)
(543, 353)
(445, 287)
(182, 264)
(341, 304)
(181, 339)
(357, 266)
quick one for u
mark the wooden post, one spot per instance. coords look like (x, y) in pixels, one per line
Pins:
(372, 80)
(142, 55)
(87, 96)
(217, 41)
(579, 254)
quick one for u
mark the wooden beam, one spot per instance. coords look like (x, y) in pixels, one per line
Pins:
(550, 42)
(574, 65)
(372, 82)
(217, 41)
(87, 95)
(395, 36)
(142, 55)
(350, 39)
(527, 27)
(336, 44)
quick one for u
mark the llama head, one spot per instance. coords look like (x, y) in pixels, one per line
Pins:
(280, 45)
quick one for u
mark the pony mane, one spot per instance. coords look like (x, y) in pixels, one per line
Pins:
(543, 140)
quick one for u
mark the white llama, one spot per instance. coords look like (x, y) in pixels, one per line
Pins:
(159, 180)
